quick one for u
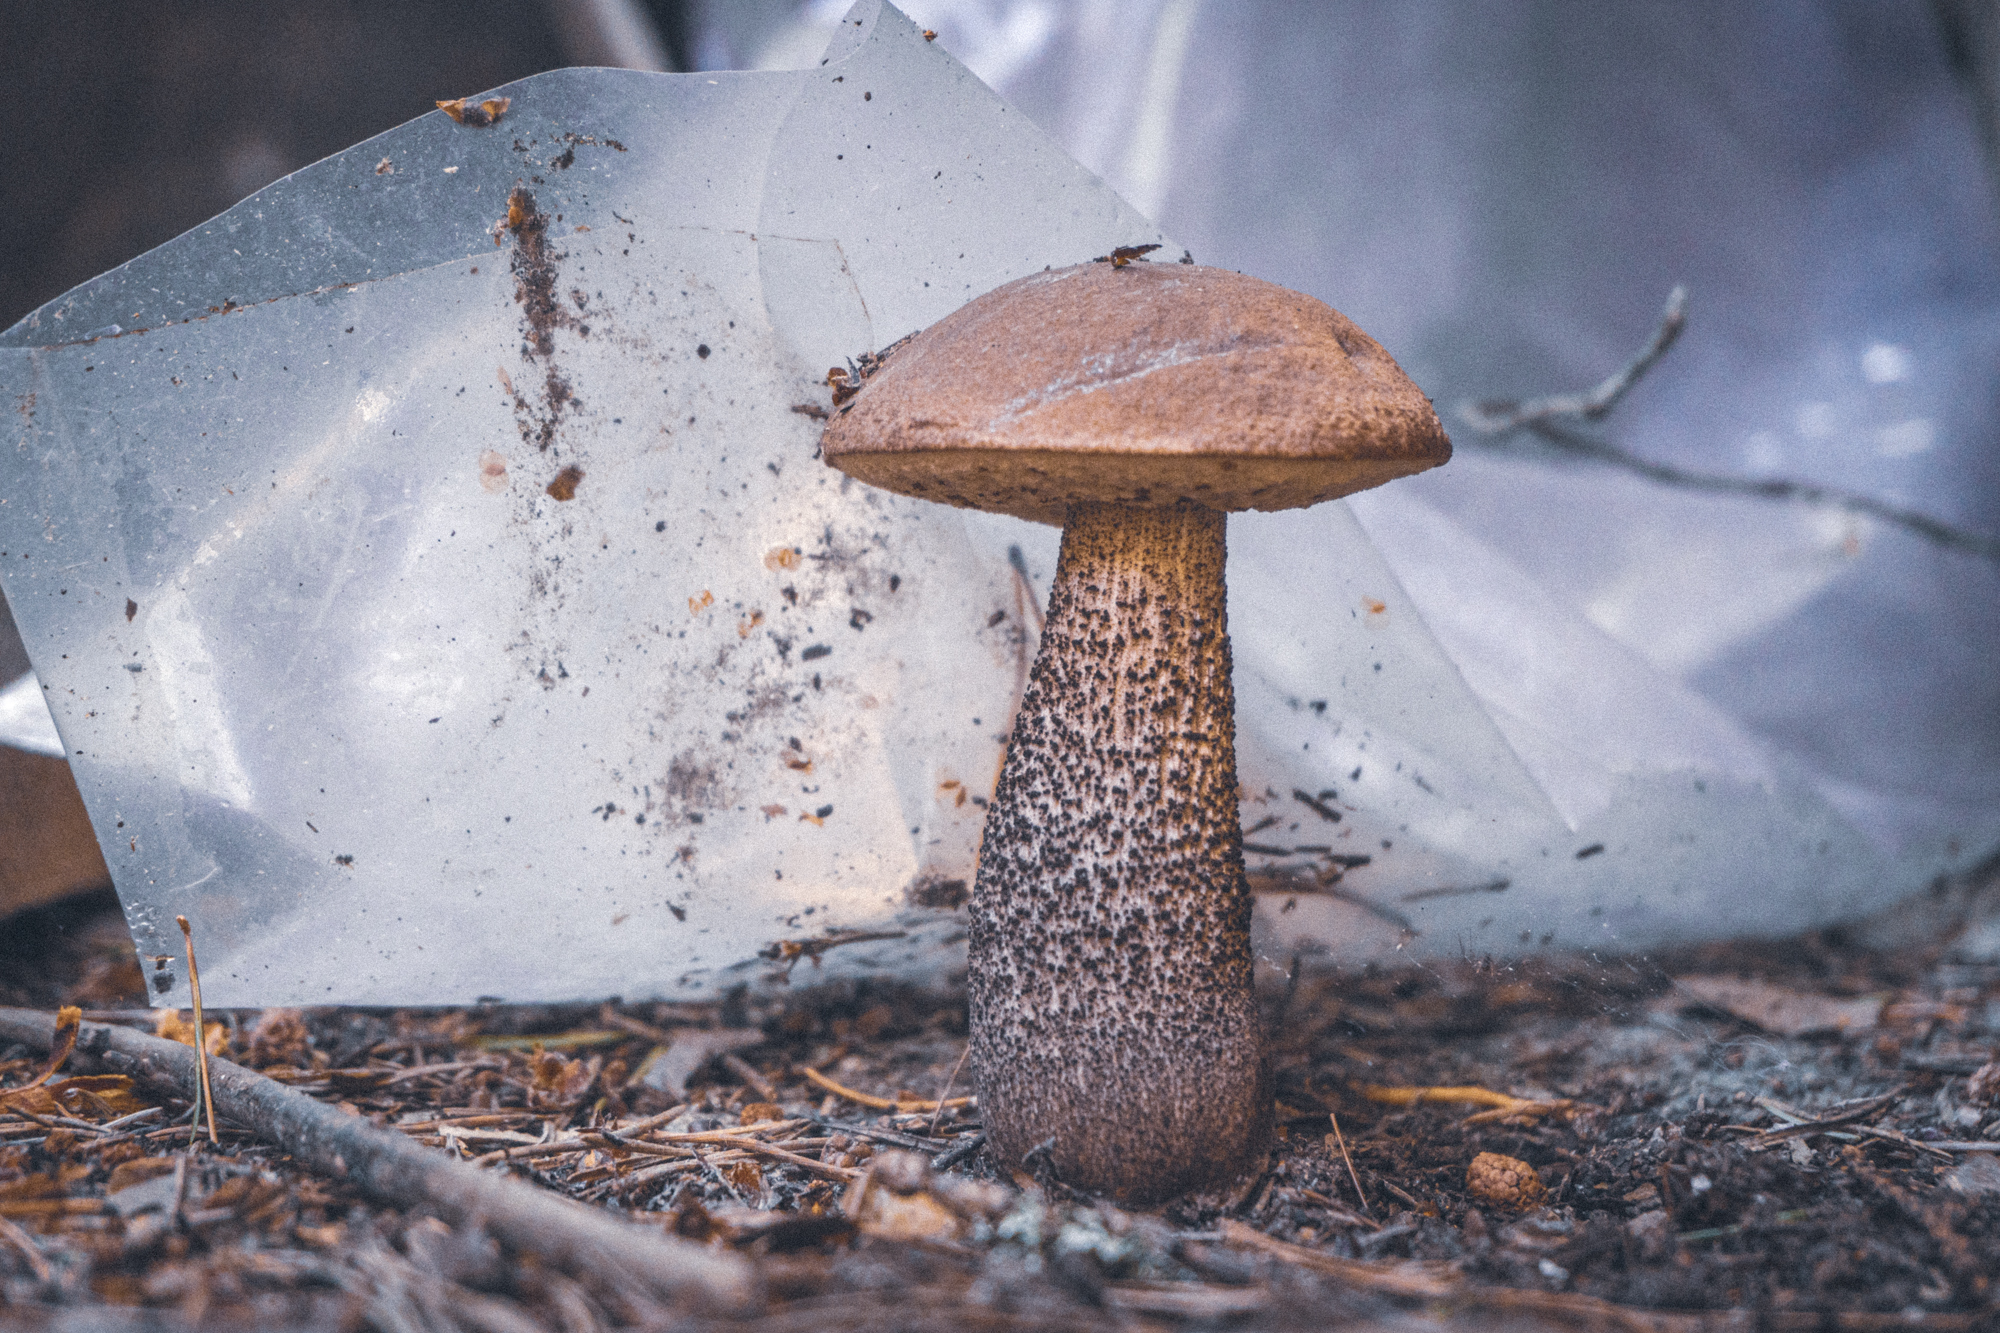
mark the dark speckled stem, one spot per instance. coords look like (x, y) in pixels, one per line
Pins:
(1112, 1007)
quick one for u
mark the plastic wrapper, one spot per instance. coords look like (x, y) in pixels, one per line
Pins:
(430, 575)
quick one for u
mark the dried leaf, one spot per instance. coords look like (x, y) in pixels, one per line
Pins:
(30, 1101)
(1779, 1009)
(69, 1019)
(478, 115)
(170, 1024)
(106, 1096)
(137, 1171)
(31, 1097)
(557, 1081)
(921, 1216)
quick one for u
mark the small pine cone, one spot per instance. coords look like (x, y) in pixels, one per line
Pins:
(1504, 1182)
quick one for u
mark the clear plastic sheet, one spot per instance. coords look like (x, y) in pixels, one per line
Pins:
(429, 615)
(1503, 197)
(346, 682)
(25, 723)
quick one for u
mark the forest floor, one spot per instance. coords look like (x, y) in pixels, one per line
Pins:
(1775, 1135)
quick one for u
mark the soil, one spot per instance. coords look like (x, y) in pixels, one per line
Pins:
(1650, 1095)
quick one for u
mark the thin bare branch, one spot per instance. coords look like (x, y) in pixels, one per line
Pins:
(1547, 419)
(1774, 488)
(1498, 416)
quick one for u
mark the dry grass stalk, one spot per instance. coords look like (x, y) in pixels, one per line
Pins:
(201, 1046)
(1340, 1141)
(950, 1079)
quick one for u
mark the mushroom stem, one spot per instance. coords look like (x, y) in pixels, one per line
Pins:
(1111, 999)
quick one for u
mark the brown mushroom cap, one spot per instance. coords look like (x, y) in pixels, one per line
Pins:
(1145, 384)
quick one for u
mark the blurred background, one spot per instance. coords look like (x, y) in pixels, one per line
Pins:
(1502, 194)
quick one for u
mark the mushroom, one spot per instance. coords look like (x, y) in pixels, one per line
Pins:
(1114, 1026)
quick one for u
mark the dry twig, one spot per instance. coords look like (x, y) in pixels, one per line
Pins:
(1500, 416)
(1544, 417)
(752, 1077)
(386, 1165)
(810, 1165)
(1410, 1279)
(1800, 1125)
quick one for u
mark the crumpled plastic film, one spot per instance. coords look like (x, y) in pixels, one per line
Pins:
(439, 596)
(435, 608)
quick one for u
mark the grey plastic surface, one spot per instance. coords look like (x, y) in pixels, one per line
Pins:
(347, 684)
(344, 683)
(25, 723)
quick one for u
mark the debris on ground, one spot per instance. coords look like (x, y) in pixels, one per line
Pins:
(1681, 1143)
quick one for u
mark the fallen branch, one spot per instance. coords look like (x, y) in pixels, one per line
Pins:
(387, 1166)
(1544, 417)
